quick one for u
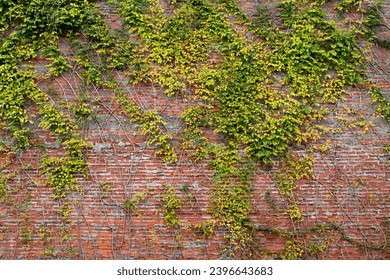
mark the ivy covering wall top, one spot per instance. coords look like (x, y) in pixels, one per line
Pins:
(258, 90)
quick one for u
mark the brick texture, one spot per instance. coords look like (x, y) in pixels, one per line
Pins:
(351, 184)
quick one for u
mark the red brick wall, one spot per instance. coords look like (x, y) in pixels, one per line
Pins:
(351, 185)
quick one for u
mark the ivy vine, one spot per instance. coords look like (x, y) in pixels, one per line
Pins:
(261, 90)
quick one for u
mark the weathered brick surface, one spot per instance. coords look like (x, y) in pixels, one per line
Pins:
(351, 185)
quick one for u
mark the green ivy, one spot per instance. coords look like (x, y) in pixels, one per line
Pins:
(382, 106)
(239, 102)
(260, 98)
(171, 203)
